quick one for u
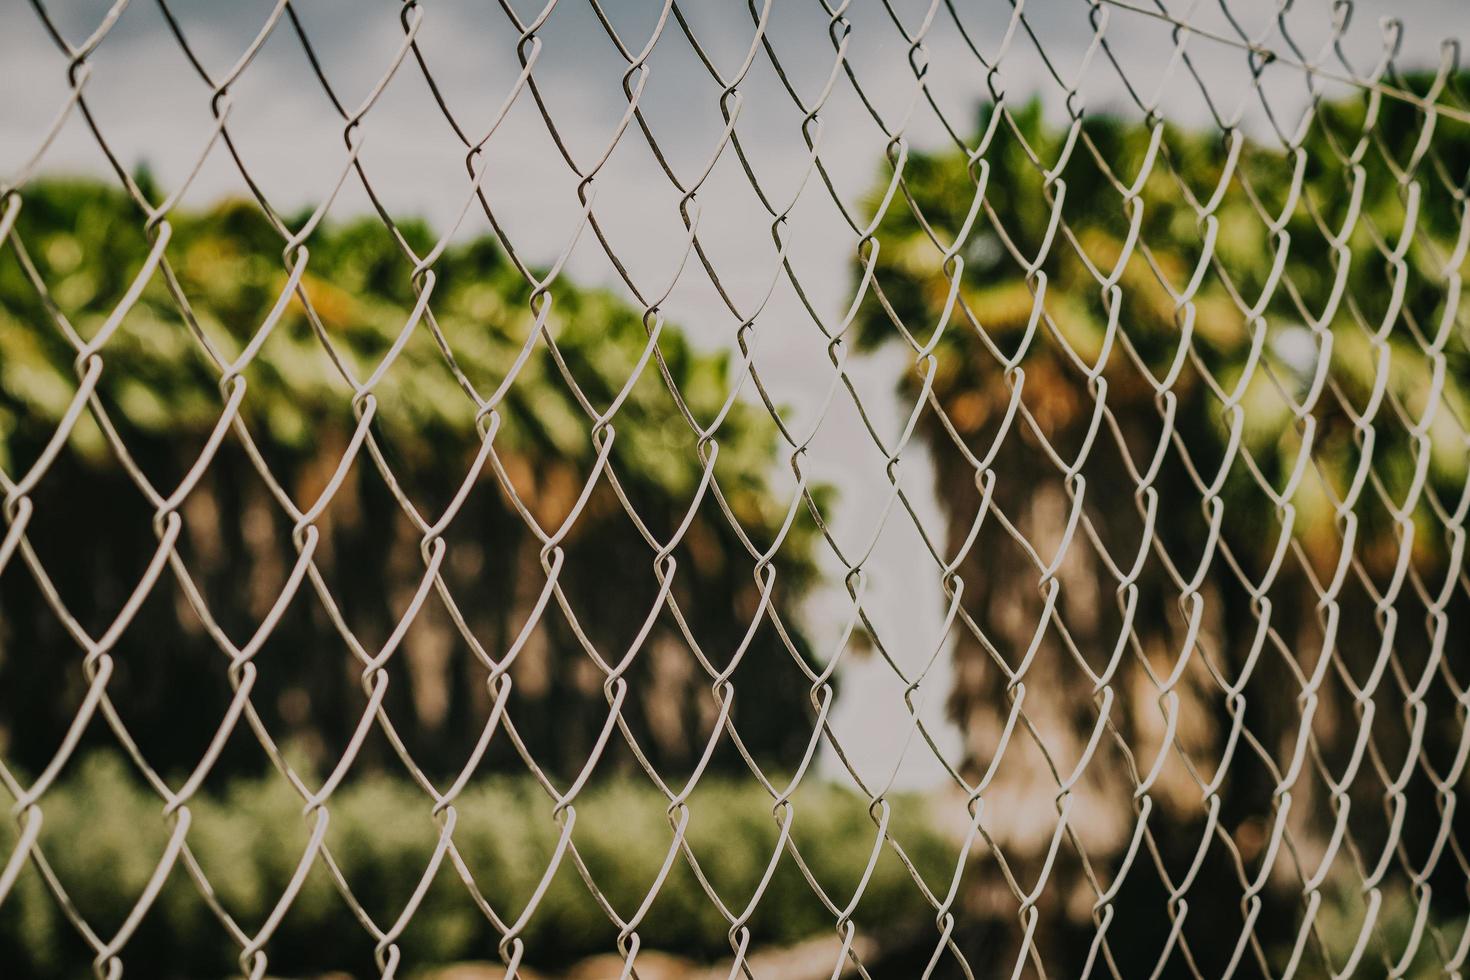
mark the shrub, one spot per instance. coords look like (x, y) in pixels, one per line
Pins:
(103, 834)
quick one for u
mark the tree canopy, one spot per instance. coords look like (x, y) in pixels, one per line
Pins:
(77, 246)
(1293, 330)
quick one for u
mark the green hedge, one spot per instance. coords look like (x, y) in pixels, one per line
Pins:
(103, 834)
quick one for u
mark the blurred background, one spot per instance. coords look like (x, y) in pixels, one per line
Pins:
(922, 702)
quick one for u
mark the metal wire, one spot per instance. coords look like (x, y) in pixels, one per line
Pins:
(1308, 836)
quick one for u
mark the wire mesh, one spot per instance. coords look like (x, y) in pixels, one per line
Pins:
(1203, 468)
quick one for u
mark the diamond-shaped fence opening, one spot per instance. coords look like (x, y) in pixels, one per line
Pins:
(881, 488)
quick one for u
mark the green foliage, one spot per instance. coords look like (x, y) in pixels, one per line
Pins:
(103, 834)
(86, 242)
(995, 298)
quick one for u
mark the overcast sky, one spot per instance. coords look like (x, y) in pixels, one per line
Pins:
(153, 108)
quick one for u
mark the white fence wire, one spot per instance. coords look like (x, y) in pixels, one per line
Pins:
(1190, 387)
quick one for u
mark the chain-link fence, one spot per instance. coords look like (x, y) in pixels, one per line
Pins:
(834, 489)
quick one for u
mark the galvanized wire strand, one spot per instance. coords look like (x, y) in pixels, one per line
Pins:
(1029, 878)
